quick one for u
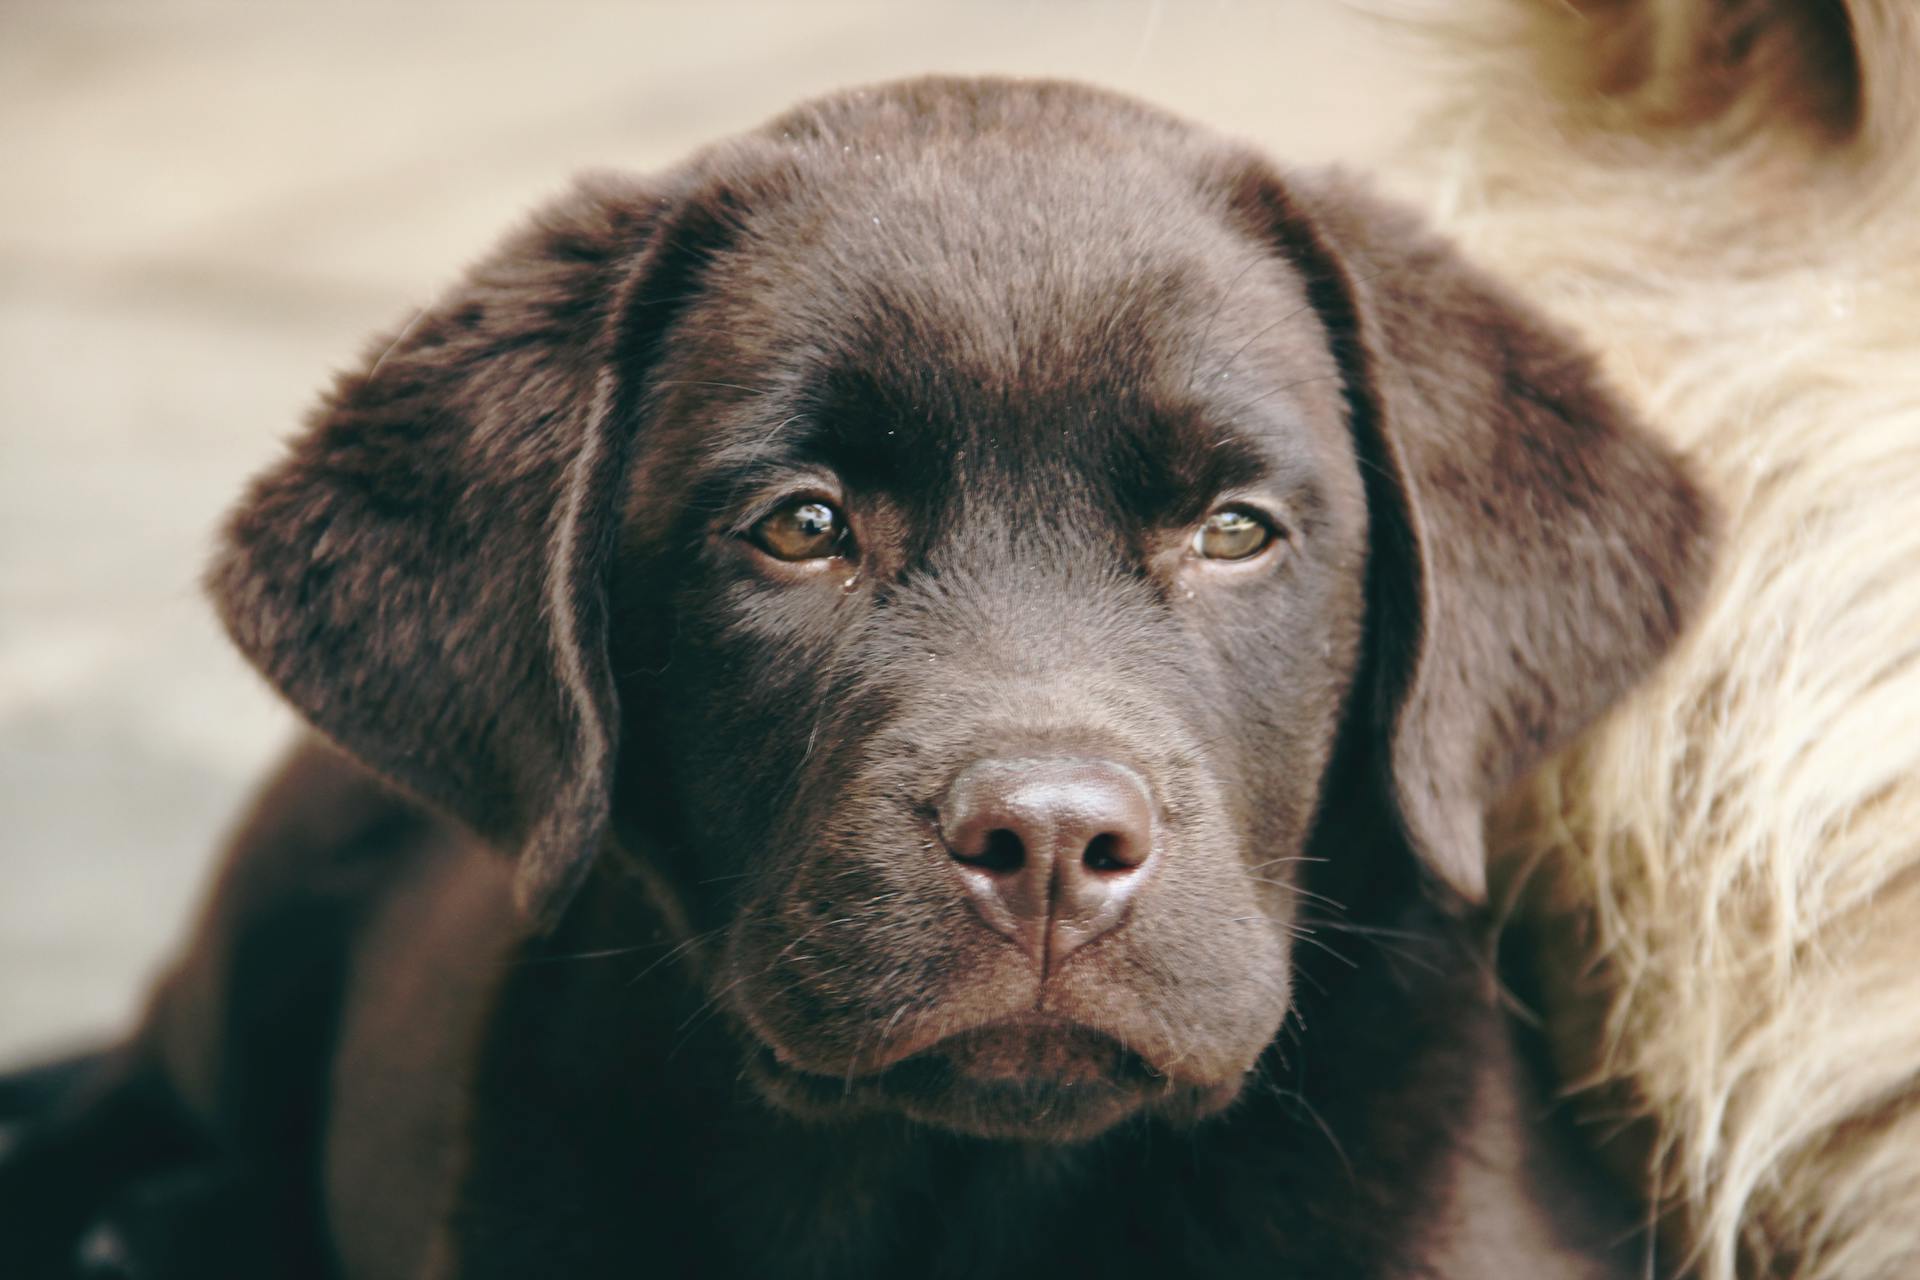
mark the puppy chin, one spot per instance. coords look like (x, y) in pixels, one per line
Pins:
(1037, 1081)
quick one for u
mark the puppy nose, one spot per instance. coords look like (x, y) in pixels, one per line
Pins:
(1051, 849)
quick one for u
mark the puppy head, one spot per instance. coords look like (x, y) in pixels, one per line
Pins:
(949, 533)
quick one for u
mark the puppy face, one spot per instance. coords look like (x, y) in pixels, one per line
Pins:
(1014, 572)
(945, 535)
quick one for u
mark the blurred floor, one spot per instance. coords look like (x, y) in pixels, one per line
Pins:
(205, 208)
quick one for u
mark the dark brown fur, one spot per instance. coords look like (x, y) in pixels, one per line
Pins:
(713, 1013)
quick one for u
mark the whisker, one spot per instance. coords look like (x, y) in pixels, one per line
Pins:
(702, 382)
(1206, 334)
(679, 950)
(1258, 334)
(1307, 937)
(527, 962)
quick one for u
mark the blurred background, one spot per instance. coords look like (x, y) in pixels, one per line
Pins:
(205, 209)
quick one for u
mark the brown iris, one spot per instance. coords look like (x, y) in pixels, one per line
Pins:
(1232, 534)
(805, 529)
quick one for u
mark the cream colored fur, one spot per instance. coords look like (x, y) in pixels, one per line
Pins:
(1723, 880)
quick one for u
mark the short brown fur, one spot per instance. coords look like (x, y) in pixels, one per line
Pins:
(742, 1021)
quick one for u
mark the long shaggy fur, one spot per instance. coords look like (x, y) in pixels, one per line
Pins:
(1723, 881)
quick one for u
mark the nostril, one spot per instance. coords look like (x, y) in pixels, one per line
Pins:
(1107, 852)
(1054, 849)
(1002, 851)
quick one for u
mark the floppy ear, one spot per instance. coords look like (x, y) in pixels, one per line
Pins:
(423, 575)
(1535, 548)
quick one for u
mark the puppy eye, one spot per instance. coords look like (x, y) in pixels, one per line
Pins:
(1232, 534)
(805, 529)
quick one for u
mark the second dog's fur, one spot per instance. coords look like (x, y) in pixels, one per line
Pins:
(1725, 881)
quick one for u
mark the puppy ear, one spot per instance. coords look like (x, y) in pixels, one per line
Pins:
(423, 575)
(1535, 549)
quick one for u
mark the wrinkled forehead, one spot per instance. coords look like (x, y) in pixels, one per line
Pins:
(1005, 315)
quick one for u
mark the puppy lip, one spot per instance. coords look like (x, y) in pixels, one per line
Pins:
(1030, 1046)
(1040, 1048)
(1027, 1078)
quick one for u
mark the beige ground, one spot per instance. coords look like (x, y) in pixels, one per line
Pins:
(204, 208)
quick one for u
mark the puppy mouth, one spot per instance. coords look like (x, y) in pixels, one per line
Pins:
(1038, 1051)
(1031, 1078)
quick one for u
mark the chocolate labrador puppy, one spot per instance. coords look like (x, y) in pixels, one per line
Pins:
(911, 697)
